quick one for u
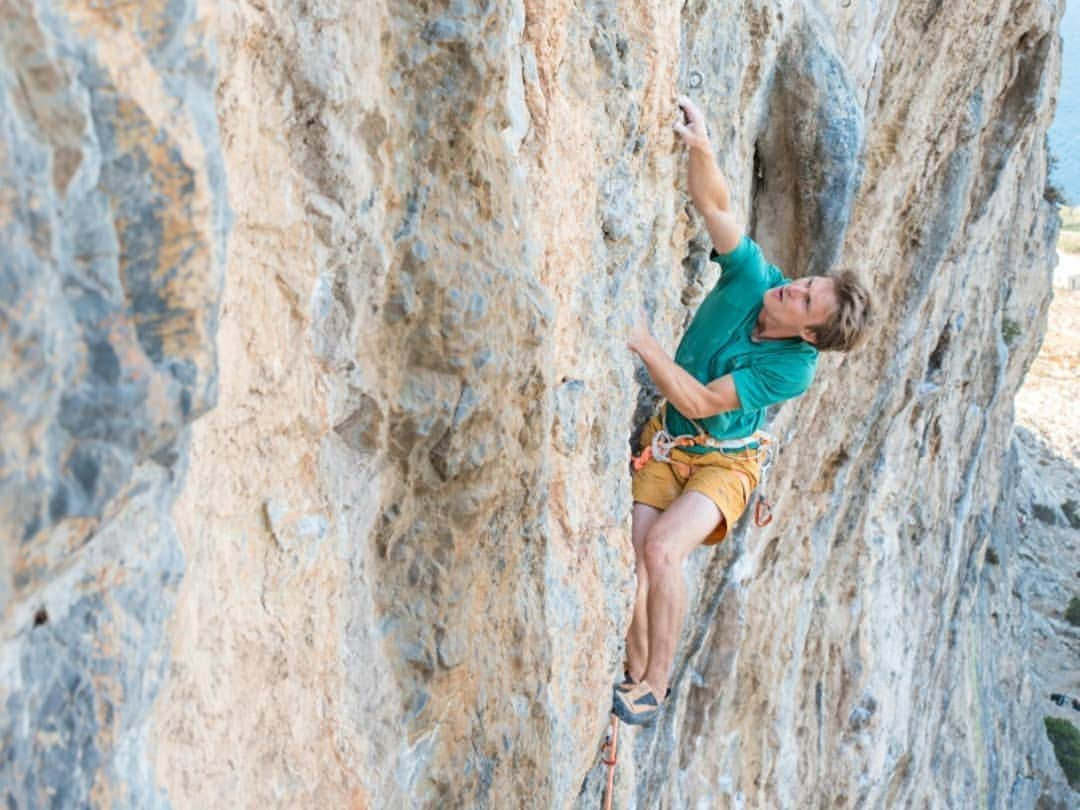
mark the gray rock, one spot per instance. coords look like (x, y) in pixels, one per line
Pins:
(113, 230)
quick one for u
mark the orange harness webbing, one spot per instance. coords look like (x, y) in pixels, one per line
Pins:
(646, 455)
(763, 513)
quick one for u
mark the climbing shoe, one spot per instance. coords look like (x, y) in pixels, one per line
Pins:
(637, 706)
(627, 683)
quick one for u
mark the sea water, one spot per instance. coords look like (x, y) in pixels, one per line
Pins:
(1065, 131)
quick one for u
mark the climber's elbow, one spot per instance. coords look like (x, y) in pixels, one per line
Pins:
(719, 396)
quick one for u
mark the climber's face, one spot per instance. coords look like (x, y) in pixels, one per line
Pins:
(792, 309)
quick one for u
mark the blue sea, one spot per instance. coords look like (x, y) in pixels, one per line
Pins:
(1065, 131)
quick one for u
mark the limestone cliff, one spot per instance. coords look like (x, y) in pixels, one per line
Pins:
(334, 512)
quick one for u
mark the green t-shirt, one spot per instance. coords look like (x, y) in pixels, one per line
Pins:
(718, 342)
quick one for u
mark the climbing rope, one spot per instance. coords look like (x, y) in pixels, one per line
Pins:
(610, 746)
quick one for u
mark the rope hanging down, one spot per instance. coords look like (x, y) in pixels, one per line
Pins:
(610, 747)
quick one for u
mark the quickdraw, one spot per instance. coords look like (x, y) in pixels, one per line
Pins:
(661, 446)
(762, 512)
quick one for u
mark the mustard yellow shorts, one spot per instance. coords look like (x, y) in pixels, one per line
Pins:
(725, 478)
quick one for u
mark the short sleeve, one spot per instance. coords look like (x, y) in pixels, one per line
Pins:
(745, 258)
(774, 380)
(746, 266)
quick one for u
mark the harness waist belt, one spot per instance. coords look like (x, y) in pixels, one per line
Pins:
(663, 442)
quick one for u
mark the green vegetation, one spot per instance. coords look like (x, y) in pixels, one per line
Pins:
(1010, 331)
(1066, 741)
(1052, 192)
(991, 556)
(1069, 242)
(1070, 218)
(1069, 237)
(1042, 512)
(1072, 612)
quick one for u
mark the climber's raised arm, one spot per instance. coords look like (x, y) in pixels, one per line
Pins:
(724, 231)
(707, 186)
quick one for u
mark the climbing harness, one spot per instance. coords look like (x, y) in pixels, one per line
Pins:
(609, 758)
(663, 443)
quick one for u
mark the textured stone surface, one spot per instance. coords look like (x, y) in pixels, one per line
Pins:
(404, 526)
(1048, 500)
(113, 218)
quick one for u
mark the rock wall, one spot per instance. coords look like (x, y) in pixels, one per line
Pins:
(1047, 446)
(381, 557)
(113, 212)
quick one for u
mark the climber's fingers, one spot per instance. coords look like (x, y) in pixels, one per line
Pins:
(692, 121)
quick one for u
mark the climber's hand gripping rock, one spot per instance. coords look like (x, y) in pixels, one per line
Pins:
(691, 128)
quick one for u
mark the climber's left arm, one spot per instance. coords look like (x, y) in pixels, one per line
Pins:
(691, 397)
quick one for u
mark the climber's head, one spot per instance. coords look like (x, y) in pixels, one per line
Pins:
(831, 312)
(848, 324)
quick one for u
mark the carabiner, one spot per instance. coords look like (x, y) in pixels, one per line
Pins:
(762, 512)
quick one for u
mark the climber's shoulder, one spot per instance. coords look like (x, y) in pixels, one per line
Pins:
(724, 230)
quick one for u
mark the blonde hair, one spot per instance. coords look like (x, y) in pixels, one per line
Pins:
(847, 327)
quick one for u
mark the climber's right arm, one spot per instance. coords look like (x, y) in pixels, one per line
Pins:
(707, 186)
(724, 231)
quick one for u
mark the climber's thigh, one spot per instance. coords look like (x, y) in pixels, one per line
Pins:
(683, 526)
(729, 486)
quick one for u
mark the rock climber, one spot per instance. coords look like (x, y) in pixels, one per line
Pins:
(753, 342)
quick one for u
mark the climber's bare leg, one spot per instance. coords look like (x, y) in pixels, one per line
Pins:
(637, 639)
(668, 542)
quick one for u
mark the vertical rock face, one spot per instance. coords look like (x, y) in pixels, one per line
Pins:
(112, 211)
(401, 536)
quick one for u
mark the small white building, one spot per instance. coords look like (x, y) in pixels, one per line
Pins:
(1067, 272)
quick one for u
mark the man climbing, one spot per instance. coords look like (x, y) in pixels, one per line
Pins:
(753, 342)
